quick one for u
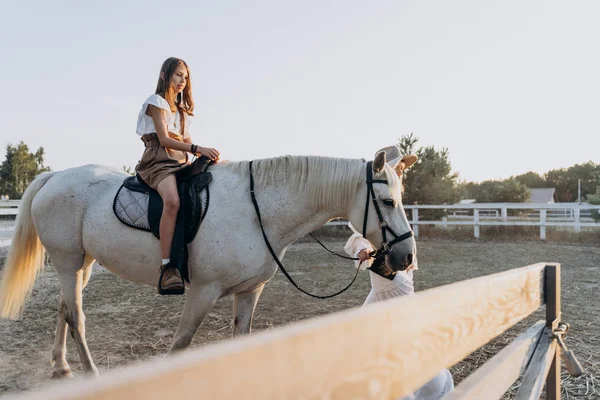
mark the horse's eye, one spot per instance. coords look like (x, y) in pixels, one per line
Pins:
(389, 202)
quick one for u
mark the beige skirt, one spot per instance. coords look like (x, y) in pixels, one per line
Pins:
(157, 162)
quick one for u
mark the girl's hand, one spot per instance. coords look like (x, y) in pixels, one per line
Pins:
(209, 152)
(363, 255)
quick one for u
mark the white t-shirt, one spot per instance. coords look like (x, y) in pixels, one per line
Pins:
(145, 124)
(381, 288)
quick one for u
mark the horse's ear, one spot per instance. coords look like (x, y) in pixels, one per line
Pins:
(378, 162)
(405, 162)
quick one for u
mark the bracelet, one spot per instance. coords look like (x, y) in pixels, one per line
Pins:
(194, 148)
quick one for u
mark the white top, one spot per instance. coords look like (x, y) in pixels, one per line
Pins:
(381, 288)
(145, 124)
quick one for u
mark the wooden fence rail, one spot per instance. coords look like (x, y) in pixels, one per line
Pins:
(382, 351)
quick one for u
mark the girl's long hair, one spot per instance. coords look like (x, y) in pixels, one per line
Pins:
(181, 102)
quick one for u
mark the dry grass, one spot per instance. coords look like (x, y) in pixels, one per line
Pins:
(511, 233)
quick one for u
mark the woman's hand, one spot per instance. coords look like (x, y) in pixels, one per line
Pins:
(209, 152)
(363, 255)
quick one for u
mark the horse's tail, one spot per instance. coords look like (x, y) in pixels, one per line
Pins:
(25, 257)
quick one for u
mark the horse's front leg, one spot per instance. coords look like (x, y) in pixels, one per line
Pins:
(200, 300)
(244, 304)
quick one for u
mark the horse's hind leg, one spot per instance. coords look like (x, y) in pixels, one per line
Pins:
(73, 274)
(59, 351)
(243, 310)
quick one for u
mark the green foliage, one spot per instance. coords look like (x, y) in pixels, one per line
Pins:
(407, 144)
(20, 168)
(565, 180)
(509, 190)
(431, 181)
(532, 180)
(595, 199)
(128, 170)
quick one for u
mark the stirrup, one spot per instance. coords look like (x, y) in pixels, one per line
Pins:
(164, 291)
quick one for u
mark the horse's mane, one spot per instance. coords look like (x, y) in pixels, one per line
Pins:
(325, 181)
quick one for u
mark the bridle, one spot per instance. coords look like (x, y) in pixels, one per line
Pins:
(379, 254)
(386, 246)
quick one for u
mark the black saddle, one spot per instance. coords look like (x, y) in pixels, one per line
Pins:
(191, 181)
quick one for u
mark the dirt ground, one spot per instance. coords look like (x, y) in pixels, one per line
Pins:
(127, 323)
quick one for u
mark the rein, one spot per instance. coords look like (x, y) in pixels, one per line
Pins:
(379, 254)
(281, 267)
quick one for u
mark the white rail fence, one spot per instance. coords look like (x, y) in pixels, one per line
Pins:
(567, 215)
(9, 207)
(575, 215)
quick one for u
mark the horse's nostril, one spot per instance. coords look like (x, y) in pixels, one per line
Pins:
(409, 259)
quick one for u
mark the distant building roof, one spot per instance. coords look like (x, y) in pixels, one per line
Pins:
(542, 195)
(467, 201)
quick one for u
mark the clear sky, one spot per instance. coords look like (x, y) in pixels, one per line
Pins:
(507, 86)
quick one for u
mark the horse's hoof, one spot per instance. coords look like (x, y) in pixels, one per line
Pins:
(62, 374)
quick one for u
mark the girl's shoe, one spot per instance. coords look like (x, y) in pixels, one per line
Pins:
(170, 281)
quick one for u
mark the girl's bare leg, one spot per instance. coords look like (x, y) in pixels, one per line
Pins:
(170, 280)
(167, 189)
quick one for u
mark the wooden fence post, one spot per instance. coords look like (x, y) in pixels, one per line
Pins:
(476, 223)
(415, 221)
(543, 224)
(577, 212)
(552, 292)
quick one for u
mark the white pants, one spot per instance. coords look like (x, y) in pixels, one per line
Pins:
(439, 386)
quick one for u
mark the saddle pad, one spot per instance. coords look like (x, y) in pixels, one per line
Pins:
(132, 208)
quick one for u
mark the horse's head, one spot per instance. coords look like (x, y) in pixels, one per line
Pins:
(378, 213)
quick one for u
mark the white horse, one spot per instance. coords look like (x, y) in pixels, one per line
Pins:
(69, 215)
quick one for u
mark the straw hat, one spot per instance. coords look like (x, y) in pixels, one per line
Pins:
(393, 153)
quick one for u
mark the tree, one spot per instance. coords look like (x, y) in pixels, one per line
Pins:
(508, 190)
(532, 180)
(128, 170)
(406, 144)
(594, 199)
(20, 168)
(431, 180)
(565, 181)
